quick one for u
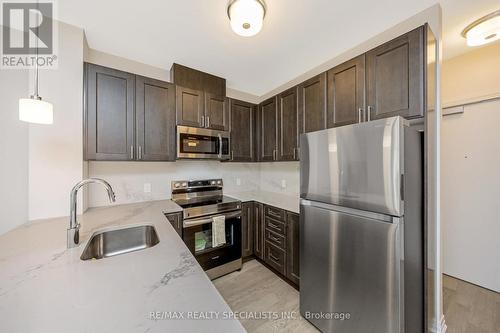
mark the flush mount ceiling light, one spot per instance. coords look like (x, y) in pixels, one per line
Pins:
(246, 16)
(484, 30)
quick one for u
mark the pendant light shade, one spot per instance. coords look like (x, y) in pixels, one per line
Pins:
(483, 31)
(34, 110)
(246, 16)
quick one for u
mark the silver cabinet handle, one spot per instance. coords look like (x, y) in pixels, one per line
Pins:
(131, 152)
(369, 113)
(220, 146)
(232, 155)
(275, 154)
(294, 154)
(139, 153)
(202, 121)
(360, 115)
(208, 121)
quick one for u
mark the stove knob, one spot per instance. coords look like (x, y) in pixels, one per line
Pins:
(184, 184)
(212, 182)
(176, 185)
(219, 182)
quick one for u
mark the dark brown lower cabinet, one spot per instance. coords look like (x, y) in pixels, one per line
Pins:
(293, 247)
(176, 220)
(247, 228)
(258, 240)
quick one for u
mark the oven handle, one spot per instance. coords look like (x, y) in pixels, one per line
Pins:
(205, 220)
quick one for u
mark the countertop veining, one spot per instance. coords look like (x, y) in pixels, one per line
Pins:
(45, 287)
(280, 200)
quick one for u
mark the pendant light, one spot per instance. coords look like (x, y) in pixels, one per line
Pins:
(33, 109)
(246, 16)
(484, 30)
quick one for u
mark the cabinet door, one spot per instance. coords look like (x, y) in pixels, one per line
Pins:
(288, 127)
(312, 104)
(246, 229)
(176, 220)
(109, 112)
(155, 119)
(259, 230)
(242, 131)
(268, 129)
(395, 77)
(189, 106)
(216, 112)
(346, 92)
(292, 248)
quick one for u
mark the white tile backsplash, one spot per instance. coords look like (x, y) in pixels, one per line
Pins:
(130, 178)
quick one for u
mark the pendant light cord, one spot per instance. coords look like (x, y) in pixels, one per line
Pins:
(36, 96)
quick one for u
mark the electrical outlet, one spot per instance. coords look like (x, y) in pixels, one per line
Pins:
(238, 181)
(147, 187)
(283, 184)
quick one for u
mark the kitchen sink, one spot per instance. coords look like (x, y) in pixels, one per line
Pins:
(115, 242)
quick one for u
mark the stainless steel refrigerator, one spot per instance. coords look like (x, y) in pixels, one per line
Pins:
(361, 228)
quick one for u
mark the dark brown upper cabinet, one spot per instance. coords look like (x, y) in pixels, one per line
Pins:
(190, 107)
(268, 130)
(128, 117)
(346, 92)
(293, 247)
(242, 122)
(155, 119)
(395, 77)
(216, 112)
(109, 112)
(288, 125)
(197, 80)
(312, 104)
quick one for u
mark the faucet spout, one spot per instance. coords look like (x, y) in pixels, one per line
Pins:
(73, 233)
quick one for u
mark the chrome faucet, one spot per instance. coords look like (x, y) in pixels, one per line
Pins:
(74, 227)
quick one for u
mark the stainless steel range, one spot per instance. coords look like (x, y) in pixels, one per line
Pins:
(203, 206)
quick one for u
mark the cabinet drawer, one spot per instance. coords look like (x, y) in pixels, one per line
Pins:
(276, 239)
(275, 257)
(276, 226)
(275, 213)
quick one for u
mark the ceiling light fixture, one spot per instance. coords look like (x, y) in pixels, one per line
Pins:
(484, 30)
(33, 109)
(246, 16)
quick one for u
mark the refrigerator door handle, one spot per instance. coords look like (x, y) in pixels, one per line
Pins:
(351, 211)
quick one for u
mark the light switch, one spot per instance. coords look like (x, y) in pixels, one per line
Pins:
(283, 184)
(238, 181)
(147, 187)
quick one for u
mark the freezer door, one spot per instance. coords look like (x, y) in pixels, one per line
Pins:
(350, 266)
(357, 166)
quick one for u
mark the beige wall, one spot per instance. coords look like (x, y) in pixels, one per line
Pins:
(56, 151)
(472, 76)
(470, 162)
(13, 149)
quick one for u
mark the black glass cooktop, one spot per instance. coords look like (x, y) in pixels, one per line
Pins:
(206, 202)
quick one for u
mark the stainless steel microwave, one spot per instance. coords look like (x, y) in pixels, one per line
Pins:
(202, 143)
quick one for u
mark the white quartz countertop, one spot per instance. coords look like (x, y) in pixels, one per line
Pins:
(279, 200)
(45, 287)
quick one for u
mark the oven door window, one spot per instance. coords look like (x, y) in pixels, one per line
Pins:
(203, 239)
(195, 144)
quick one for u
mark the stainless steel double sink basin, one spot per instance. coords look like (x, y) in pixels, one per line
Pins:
(111, 243)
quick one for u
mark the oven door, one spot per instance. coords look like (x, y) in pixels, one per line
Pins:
(202, 143)
(198, 238)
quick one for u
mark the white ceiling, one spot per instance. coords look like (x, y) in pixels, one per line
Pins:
(298, 35)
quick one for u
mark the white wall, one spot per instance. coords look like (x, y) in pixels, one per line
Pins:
(13, 150)
(55, 151)
(471, 194)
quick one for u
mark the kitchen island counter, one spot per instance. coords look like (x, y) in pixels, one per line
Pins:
(45, 287)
